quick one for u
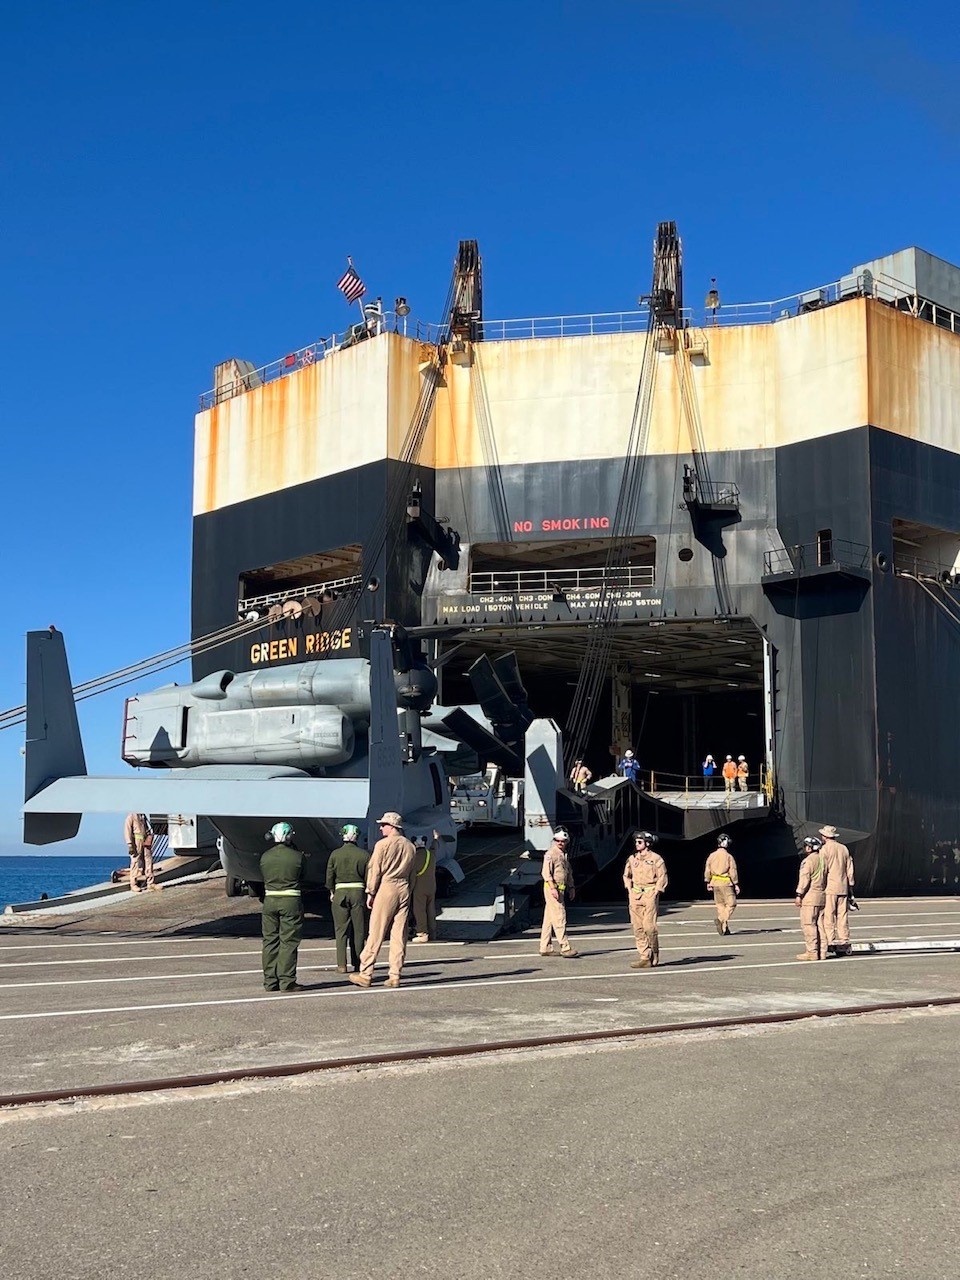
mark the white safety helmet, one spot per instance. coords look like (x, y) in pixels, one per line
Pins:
(724, 842)
(561, 833)
(628, 755)
(282, 832)
(743, 758)
(421, 842)
(813, 843)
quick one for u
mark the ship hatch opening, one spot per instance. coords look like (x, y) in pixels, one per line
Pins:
(674, 692)
(572, 563)
(301, 573)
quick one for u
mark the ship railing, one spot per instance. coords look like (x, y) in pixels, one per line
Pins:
(560, 581)
(262, 604)
(931, 570)
(303, 357)
(824, 553)
(865, 284)
(651, 780)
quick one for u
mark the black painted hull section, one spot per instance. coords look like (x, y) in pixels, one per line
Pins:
(867, 668)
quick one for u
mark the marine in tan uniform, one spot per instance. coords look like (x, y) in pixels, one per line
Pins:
(836, 919)
(425, 889)
(557, 882)
(720, 874)
(389, 892)
(743, 773)
(138, 836)
(811, 897)
(645, 878)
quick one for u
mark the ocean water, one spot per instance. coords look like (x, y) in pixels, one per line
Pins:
(24, 879)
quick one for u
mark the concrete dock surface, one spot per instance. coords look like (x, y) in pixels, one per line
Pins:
(820, 1148)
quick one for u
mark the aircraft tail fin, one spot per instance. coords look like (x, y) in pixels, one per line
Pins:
(54, 748)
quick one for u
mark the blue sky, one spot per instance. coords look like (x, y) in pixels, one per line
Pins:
(182, 182)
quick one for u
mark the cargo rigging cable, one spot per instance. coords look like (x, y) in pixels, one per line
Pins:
(664, 302)
(14, 716)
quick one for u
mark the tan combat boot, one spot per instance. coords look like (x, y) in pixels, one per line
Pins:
(641, 964)
(392, 982)
(358, 979)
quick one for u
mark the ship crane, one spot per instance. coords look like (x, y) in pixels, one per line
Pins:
(665, 303)
(667, 330)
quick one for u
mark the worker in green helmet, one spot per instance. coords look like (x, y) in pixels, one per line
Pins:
(281, 866)
(346, 878)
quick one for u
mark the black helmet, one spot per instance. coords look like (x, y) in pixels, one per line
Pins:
(814, 843)
(647, 836)
(724, 842)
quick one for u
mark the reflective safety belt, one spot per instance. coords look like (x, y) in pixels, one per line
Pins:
(282, 893)
(426, 864)
(350, 884)
(715, 877)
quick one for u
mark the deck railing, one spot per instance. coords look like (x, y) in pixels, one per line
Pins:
(803, 557)
(560, 581)
(864, 284)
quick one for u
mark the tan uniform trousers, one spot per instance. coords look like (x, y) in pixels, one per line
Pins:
(814, 929)
(643, 917)
(390, 913)
(836, 919)
(425, 909)
(141, 861)
(554, 921)
(724, 901)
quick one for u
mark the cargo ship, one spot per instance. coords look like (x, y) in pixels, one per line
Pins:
(730, 530)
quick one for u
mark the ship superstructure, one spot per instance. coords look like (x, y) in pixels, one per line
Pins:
(786, 588)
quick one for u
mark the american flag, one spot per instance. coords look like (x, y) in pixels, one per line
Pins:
(350, 284)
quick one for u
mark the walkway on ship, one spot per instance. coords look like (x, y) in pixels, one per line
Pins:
(109, 998)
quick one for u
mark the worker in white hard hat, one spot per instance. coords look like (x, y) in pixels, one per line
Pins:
(281, 865)
(729, 772)
(628, 766)
(743, 772)
(346, 881)
(557, 883)
(389, 892)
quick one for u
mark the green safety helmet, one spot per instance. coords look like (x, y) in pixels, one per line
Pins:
(282, 832)
(349, 831)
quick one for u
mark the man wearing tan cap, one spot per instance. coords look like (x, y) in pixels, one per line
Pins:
(836, 920)
(389, 890)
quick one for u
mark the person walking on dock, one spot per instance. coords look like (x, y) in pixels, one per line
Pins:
(389, 892)
(346, 880)
(645, 878)
(281, 865)
(836, 920)
(743, 773)
(729, 774)
(723, 882)
(557, 881)
(811, 897)
(138, 835)
(425, 889)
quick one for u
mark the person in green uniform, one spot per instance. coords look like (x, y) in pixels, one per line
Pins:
(281, 866)
(346, 877)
